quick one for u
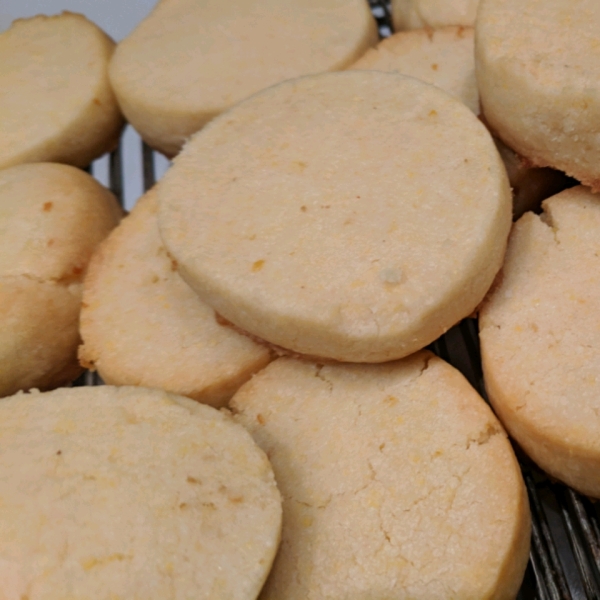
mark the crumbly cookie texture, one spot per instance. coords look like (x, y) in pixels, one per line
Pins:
(397, 482)
(415, 14)
(142, 325)
(538, 80)
(52, 217)
(131, 493)
(267, 207)
(56, 103)
(539, 338)
(188, 61)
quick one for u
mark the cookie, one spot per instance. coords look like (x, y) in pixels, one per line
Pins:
(131, 493)
(537, 77)
(56, 103)
(397, 482)
(188, 61)
(353, 216)
(142, 325)
(539, 338)
(52, 217)
(415, 14)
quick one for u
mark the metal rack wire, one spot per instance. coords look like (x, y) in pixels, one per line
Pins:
(565, 551)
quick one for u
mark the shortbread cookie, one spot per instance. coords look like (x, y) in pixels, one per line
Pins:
(444, 57)
(131, 493)
(188, 61)
(354, 216)
(52, 217)
(56, 103)
(539, 80)
(414, 14)
(397, 482)
(540, 338)
(142, 325)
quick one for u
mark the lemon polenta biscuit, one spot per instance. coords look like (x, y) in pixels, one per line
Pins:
(415, 14)
(131, 493)
(142, 325)
(56, 103)
(540, 338)
(188, 61)
(354, 216)
(389, 476)
(51, 219)
(538, 78)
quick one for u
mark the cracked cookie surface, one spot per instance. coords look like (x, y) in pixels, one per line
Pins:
(397, 482)
(52, 217)
(131, 493)
(540, 338)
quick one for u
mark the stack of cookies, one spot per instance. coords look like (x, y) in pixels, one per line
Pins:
(332, 209)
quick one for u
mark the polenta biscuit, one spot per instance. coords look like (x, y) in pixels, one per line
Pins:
(538, 78)
(52, 217)
(397, 482)
(131, 493)
(353, 216)
(142, 325)
(188, 61)
(540, 337)
(56, 103)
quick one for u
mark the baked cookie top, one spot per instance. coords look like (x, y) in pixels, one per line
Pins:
(397, 482)
(414, 14)
(131, 493)
(353, 216)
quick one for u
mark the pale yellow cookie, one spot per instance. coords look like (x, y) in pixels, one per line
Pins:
(540, 338)
(142, 325)
(56, 103)
(397, 482)
(112, 493)
(52, 217)
(414, 14)
(538, 71)
(188, 60)
(354, 216)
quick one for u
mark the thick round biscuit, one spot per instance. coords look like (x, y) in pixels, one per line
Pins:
(131, 493)
(415, 14)
(540, 338)
(56, 103)
(188, 61)
(142, 325)
(354, 216)
(443, 57)
(52, 217)
(538, 78)
(397, 482)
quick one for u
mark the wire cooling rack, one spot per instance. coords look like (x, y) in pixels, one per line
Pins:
(564, 562)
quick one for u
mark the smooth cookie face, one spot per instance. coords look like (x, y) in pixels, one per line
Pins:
(142, 325)
(539, 338)
(188, 61)
(131, 493)
(56, 103)
(353, 216)
(397, 482)
(414, 14)
(52, 217)
(538, 77)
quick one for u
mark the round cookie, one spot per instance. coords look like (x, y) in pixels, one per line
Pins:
(414, 14)
(138, 315)
(131, 493)
(397, 482)
(538, 81)
(188, 61)
(354, 216)
(56, 103)
(539, 338)
(52, 217)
